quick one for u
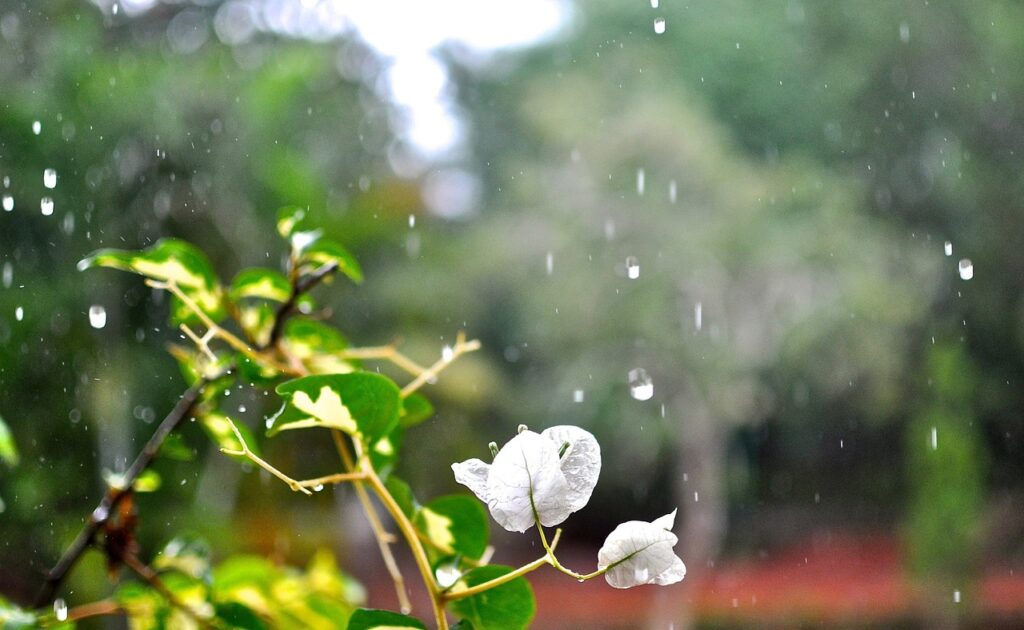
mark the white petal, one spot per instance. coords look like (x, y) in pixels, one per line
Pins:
(473, 473)
(526, 477)
(581, 463)
(666, 522)
(640, 553)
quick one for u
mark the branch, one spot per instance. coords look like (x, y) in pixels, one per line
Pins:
(508, 577)
(113, 496)
(256, 459)
(461, 347)
(387, 353)
(95, 609)
(149, 575)
(299, 287)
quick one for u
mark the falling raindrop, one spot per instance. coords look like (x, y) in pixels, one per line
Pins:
(640, 385)
(50, 178)
(46, 206)
(672, 192)
(19, 313)
(549, 263)
(654, 4)
(904, 32)
(948, 248)
(37, 127)
(632, 267)
(933, 439)
(609, 229)
(577, 395)
(7, 182)
(97, 316)
(8, 274)
(60, 609)
(641, 180)
(966, 268)
(68, 225)
(956, 597)
(412, 220)
(8, 203)
(659, 26)
(698, 315)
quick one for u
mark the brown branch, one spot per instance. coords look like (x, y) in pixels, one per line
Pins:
(95, 609)
(113, 496)
(299, 287)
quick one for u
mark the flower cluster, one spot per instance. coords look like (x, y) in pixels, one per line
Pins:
(542, 478)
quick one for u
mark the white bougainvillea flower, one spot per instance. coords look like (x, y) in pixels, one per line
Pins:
(545, 476)
(638, 553)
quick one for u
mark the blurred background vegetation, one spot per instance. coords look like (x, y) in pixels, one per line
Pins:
(820, 202)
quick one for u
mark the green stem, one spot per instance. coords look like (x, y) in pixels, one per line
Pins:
(508, 577)
(550, 549)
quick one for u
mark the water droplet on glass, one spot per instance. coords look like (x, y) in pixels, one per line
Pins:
(50, 178)
(577, 395)
(632, 267)
(46, 206)
(8, 203)
(659, 26)
(447, 354)
(37, 127)
(19, 313)
(549, 263)
(60, 609)
(698, 315)
(948, 248)
(640, 385)
(966, 268)
(97, 316)
(672, 191)
(641, 181)
(933, 439)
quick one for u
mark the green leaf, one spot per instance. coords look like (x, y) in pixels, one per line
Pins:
(169, 260)
(186, 554)
(360, 403)
(367, 619)
(384, 452)
(325, 251)
(147, 481)
(8, 451)
(289, 219)
(218, 427)
(402, 494)
(240, 616)
(257, 282)
(14, 618)
(510, 606)
(146, 609)
(317, 345)
(415, 409)
(455, 524)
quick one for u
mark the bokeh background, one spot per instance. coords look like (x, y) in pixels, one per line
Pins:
(804, 221)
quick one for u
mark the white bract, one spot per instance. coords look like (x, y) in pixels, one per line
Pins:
(529, 481)
(638, 553)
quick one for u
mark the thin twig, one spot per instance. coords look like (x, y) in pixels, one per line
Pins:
(387, 353)
(113, 497)
(149, 575)
(384, 538)
(461, 347)
(453, 593)
(299, 287)
(95, 609)
(254, 458)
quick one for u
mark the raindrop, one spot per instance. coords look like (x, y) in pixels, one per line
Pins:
(956, 597)
(549, 263)
(447, 574)
(318, 487)
(412, 220)
(37, 127)
(46, 206)
(698, 315)
(672, 192)
(447, 354)
(933, 440)
(114, 8)
(641, 180)
(8, 274)
(577, 395)
(97, 316)
(654, 4)
(904, 32)
(659, 26)
(632, 267)
(640, 385)
(60, 609)
(948, 248)
(19, 313)
(966, 268)
(7, 182)
(609, 229)
(8, 203)
(68, 225)
(50, 178)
